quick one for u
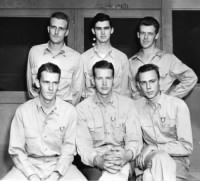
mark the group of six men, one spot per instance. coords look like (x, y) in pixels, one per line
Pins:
(122, 116)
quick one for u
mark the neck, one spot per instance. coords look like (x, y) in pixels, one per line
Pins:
(155, 99)
(103, 46)
(149, 51)
(55, 47)
(104, 98)
(47, 104)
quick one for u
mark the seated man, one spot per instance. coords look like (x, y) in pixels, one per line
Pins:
(108, 136)
(42, 135)
(166, 128)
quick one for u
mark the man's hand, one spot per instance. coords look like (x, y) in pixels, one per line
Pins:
(55, 176)
(34, 177)
(106, 162)
(121, 155)
(141, 157)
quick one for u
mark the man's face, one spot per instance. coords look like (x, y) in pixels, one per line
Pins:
(48, 84)
(57, 30)
(149, 84)
(147, 36)
(103, 81)
(102, 31)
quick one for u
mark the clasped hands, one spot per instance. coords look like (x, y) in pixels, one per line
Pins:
(112, 160)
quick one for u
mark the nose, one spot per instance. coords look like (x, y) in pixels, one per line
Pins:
(148, 85)
(102, 31)
(50, 86)
(145, 35)
(56, 30)
(104, 81)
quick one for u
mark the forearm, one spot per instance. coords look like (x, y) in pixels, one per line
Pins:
(176, 148)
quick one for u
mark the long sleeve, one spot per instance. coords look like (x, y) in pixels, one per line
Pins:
(186, 76)
(17, 146)
(133, 138)
(84, 140)
(31, 92)
(68, 149)
(182, 145)
(77, 83)
(125, 88)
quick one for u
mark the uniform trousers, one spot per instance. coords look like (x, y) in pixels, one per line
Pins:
(73, 174)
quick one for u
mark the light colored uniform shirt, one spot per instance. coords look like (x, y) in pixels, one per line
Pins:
(170, 68)
(101, 126)
(121, 66)
(42, 142)
(68, 60)
(166, 124)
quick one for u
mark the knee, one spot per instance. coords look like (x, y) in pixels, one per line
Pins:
(164, 158)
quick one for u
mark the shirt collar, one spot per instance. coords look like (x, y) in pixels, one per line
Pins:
(138, 55)
(62, 51)
(158, 103)
(111, 100)
(39, 106)
(110, 52)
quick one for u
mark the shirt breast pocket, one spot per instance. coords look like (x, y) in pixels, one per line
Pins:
(118, 132)
(168, 127)
(97, 132)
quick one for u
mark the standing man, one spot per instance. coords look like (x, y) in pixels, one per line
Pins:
(55, 51)
(166, 128)
(42, 135)
(102, 29)
(170, 67)
(109, 136)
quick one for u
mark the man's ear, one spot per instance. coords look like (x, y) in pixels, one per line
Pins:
(157, 35)
(67, 33)
(48, 29)
(93, 32)
(138, 85)
(138, 35)
(112, 30)
(37, 83)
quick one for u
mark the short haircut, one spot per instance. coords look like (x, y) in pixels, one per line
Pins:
(49, 67)
(103, 64)
(149, 21)
(60, 15)
(101, 17)
(146, 68)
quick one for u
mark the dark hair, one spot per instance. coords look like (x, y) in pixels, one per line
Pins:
(149, 21)
(60, 15)
(101, 17)
(146, 68)
(103, 64)
(49, 67)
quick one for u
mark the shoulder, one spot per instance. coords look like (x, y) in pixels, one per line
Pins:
(118, 53)
(85, 103)
(26, 106)
(166, 55)
(38, 47)
(87, 53)
(71, 51)
(124, 101)
(134, 57)
(63, 105)
(174, 101)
